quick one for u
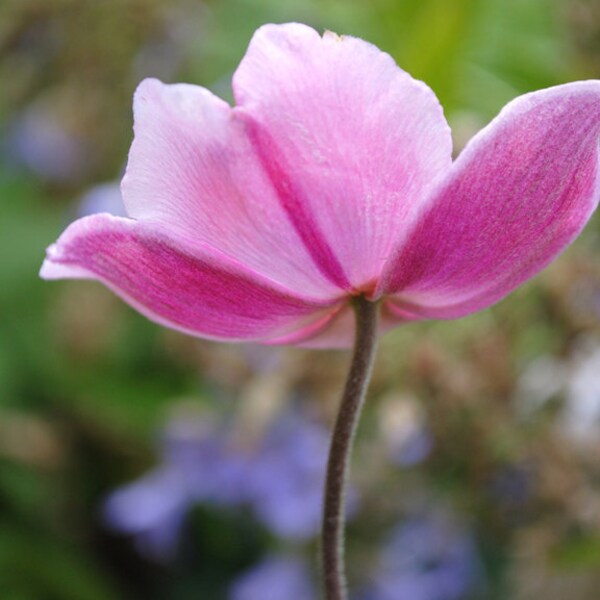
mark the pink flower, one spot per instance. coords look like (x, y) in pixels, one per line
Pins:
(332, 177)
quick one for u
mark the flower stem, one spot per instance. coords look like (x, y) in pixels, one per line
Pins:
(332, 536)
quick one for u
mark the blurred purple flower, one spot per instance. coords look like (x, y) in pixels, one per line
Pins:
(414, 449)
(39, 141)
(152, 510)
(276, 578)
(279, 479)
(426, 559)
(102, 198)
(285, 482)
(211, 469)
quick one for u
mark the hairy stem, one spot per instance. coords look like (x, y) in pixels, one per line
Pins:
(332, 537)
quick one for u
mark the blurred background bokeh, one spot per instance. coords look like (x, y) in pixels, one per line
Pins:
(136, 463)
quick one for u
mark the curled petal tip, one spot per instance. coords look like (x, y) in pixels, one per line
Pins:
(48, 268)
(147, 85)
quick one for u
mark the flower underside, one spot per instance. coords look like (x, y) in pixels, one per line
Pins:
(332, 177)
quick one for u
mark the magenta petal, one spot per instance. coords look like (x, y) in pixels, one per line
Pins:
(192, 170)
(350, 141)
(519, 193)
(195, 290)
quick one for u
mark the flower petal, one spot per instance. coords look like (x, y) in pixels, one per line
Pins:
(192, 169)
(191, 289)
(350, 141)
(519, 193)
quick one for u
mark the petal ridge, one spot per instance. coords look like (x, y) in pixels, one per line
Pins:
(359, 139)
(294, 204)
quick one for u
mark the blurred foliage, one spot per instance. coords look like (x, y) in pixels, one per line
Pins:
(85, 383)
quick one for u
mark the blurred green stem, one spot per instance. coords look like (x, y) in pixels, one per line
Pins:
(332, 537)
